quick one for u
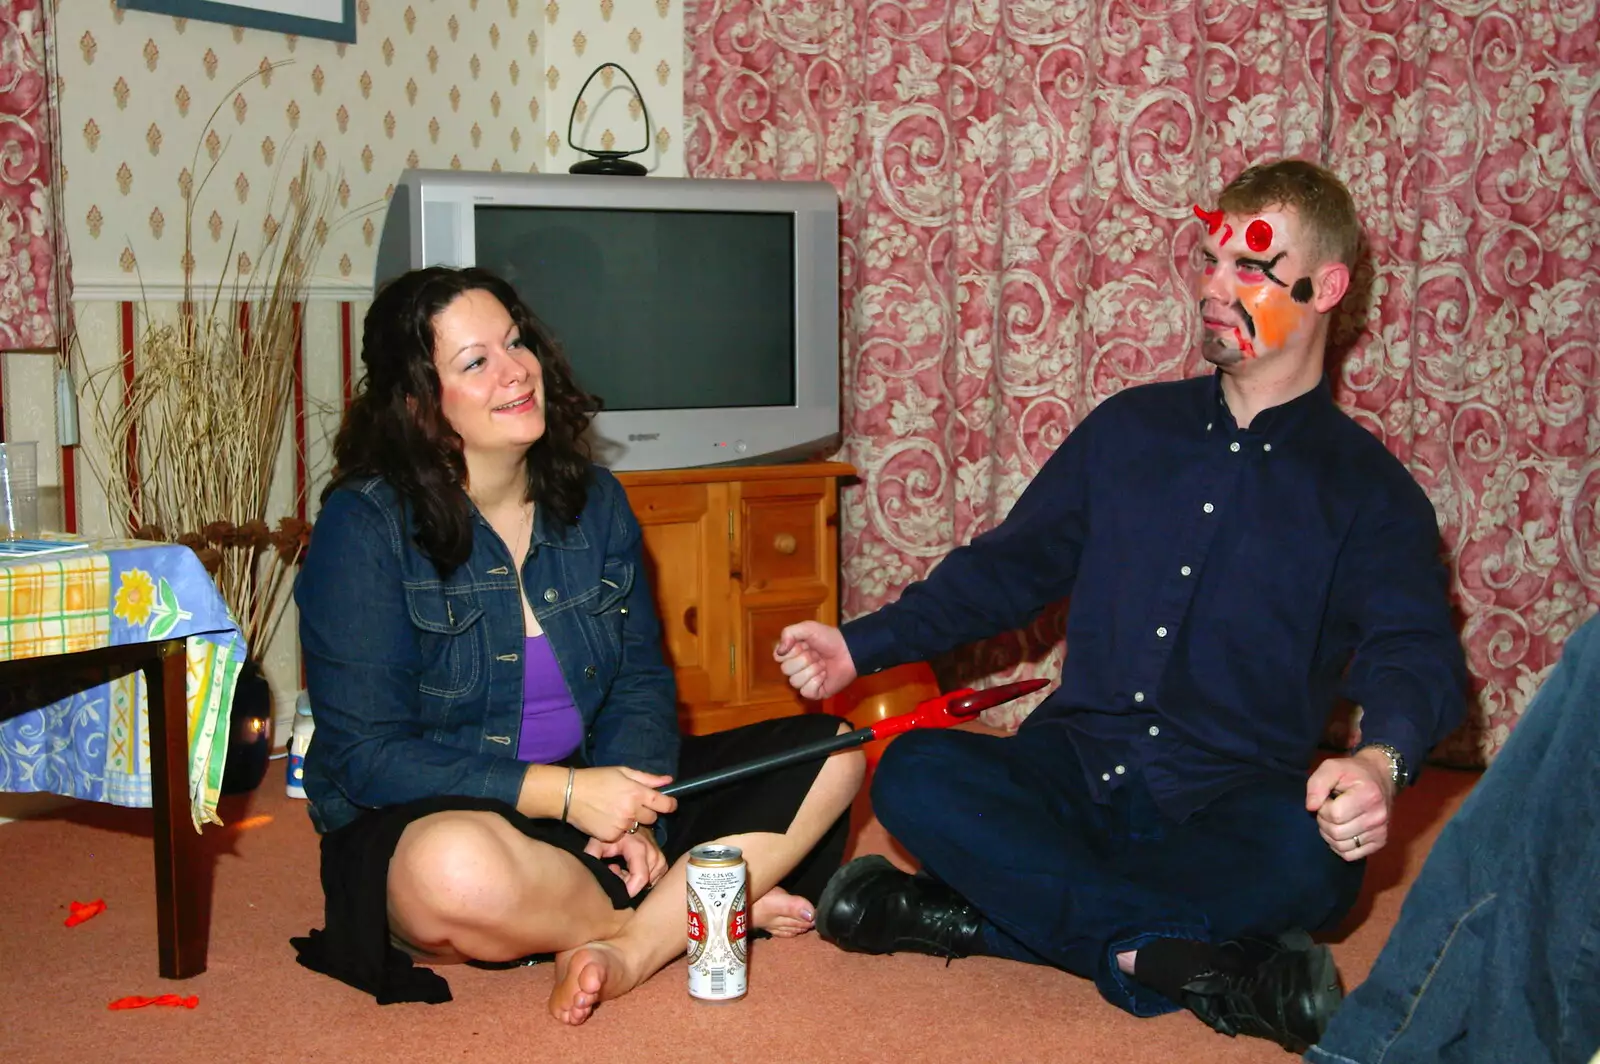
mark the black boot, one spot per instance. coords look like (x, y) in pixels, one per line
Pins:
(870, 906)
(1284, 989)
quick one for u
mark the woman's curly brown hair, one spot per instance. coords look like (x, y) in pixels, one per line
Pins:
(395, 427)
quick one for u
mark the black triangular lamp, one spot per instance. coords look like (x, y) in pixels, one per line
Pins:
(609, 163)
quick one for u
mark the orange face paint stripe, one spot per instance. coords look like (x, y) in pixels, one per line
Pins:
(1276, 315)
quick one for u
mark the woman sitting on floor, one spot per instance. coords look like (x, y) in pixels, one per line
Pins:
(494, 715)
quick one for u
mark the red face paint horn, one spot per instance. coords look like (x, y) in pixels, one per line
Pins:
(957, 707)
(1213, 219)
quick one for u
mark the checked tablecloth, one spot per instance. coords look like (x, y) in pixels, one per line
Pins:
(85, 733)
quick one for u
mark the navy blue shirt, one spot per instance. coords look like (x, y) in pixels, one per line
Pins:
(1227, 586)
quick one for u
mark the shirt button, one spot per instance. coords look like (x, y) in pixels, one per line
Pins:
(1161, 633)
(1266, 446)
(1120, 770)
(1185, 570)
(1154, 730)
(551, 594)
(1105, 776)
(1208, 426)
(1208, 507)
(588, 672)
(1234, 446)
(1138, 696)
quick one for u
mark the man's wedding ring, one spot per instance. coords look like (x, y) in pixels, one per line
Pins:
(636, 828)
(1357, 839)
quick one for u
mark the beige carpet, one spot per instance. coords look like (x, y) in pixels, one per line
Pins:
(808, 1002)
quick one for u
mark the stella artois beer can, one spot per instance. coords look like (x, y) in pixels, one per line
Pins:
(719, 923)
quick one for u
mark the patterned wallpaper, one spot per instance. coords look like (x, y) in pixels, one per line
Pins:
(485, 84)
(645, 37)
(477, 84)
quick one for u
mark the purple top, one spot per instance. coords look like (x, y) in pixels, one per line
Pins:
(551, 727)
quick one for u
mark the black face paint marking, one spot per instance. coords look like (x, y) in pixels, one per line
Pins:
(1301, 292)
(1265, 267)
(1244, 315)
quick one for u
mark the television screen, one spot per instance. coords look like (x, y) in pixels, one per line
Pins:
(657, 309)
(703, 312)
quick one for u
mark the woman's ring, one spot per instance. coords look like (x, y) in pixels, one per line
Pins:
(634, 828)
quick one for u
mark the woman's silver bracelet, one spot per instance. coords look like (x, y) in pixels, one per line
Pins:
(566, 802)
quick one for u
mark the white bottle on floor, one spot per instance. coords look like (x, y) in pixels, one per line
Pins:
(299, 743)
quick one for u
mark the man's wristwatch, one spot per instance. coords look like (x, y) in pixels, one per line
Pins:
(1397, 763)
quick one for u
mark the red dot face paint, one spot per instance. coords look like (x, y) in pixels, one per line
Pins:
(1258, 235)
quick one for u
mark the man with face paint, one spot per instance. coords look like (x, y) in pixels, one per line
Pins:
(1240, 556)
(1267, 289)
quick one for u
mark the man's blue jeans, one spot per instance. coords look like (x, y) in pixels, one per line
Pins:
(1496, 955)
(1009, 823)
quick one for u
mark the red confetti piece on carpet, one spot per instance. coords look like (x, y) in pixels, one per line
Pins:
(82, 911)
(134, 1001)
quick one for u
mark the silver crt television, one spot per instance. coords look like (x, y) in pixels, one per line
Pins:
(704, 314)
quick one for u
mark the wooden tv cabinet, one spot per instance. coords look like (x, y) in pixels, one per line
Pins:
(734, 554)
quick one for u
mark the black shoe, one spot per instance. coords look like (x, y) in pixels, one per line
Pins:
(1284, 989)
(870, 906)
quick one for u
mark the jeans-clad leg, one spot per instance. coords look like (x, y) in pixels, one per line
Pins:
(1008, 823)
(1253, 861)
(977, 813)
(1496, 955)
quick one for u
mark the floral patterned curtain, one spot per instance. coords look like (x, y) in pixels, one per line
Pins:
(1017, 178)
(1469, 134)
(31, 258)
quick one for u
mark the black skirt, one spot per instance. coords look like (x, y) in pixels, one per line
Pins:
(355, 947)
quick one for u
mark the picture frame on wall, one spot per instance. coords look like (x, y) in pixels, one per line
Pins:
(333, 20)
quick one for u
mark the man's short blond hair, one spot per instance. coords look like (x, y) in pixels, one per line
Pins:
(1319, 200)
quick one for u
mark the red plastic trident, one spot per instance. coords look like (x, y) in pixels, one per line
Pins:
(957, 707)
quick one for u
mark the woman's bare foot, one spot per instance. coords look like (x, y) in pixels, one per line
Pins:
(587, 976)
(782, 914)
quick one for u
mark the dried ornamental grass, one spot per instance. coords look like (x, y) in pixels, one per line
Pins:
(193, 438)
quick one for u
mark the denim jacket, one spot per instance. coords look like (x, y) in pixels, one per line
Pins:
(416, 681)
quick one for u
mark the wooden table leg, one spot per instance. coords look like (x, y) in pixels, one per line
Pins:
(180, 936)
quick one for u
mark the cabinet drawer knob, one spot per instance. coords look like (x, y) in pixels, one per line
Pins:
(784, 543)
(691, 620)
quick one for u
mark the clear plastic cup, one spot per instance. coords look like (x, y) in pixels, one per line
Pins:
(19, 490)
